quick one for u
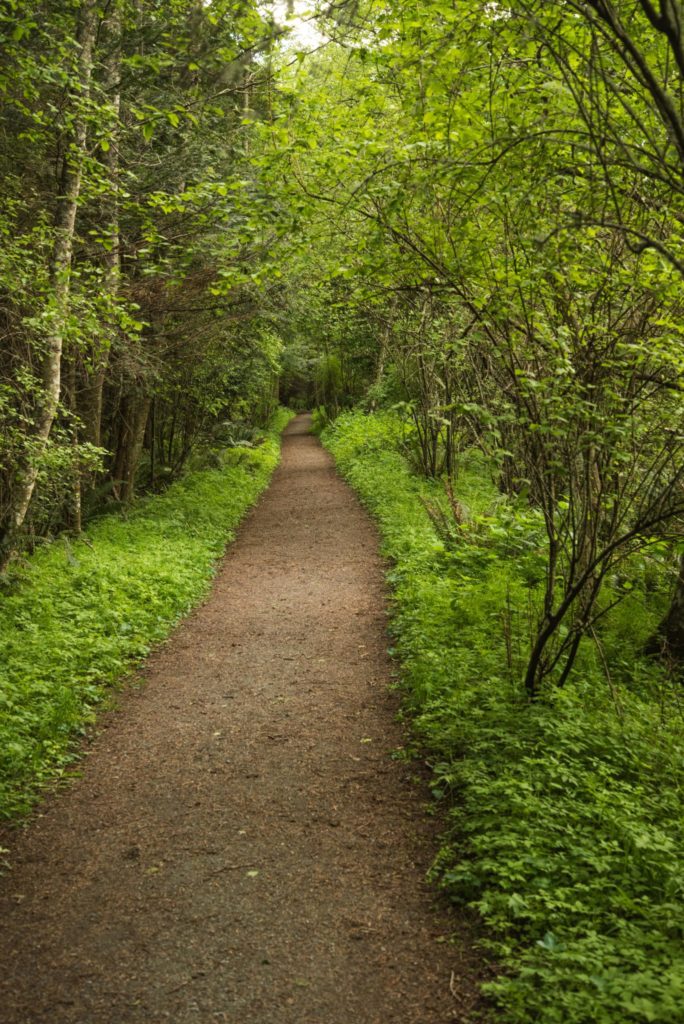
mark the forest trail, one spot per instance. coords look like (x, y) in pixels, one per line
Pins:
(241, 848)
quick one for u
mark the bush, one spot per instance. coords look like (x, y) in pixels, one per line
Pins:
(564, 818)
(319, 419)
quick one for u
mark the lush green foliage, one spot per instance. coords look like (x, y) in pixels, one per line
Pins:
(470, 213)
(565, 816)
(130, 226)
(490, 190)
(79, 613)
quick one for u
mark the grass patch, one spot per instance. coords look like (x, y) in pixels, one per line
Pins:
(565, 819)
(78, 614)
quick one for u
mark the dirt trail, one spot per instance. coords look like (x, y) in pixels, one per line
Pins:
(241, 848)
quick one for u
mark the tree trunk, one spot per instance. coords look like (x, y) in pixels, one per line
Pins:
(133, 414)
(380, 365)
(60, 279)
(668, 639)
(74, 502)
(91, 395)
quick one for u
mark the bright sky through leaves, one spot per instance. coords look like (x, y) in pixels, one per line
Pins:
(303, 28)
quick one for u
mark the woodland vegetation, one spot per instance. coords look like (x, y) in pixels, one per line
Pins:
(464, 220)
(131, 238)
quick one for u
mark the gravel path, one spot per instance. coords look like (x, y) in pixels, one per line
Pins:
(241, 848)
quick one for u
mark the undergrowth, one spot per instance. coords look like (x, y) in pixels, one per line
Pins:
(565, 817)
(77, 614)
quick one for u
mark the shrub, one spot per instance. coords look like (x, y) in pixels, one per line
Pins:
(564, 818)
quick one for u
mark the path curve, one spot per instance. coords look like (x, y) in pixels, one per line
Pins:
(241, 848)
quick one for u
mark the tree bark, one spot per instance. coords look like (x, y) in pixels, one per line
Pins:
(380, 365)
(133, 415)
(74, 505)
(668, 639)
(92, 392)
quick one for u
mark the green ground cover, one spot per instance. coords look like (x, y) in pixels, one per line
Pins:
(565, 818)
(77, 615)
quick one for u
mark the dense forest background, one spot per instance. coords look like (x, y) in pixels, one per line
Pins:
(131, 240)
(469, 212)
(465, 220)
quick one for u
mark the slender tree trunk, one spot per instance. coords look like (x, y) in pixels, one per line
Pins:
(668, 639)
(134, 412)
(380, 366)
(60, 278)
(93, 389)
(153, 445)
(74, 502)
(172, 435)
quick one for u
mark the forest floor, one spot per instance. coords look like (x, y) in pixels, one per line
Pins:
(241, 848)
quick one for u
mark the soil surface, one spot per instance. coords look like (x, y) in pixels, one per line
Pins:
(241, 847)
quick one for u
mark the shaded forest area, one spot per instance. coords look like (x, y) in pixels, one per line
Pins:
(463, 221)
(131, 330)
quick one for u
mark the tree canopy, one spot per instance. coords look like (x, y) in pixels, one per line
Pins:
(472, 211)
(464, 215)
